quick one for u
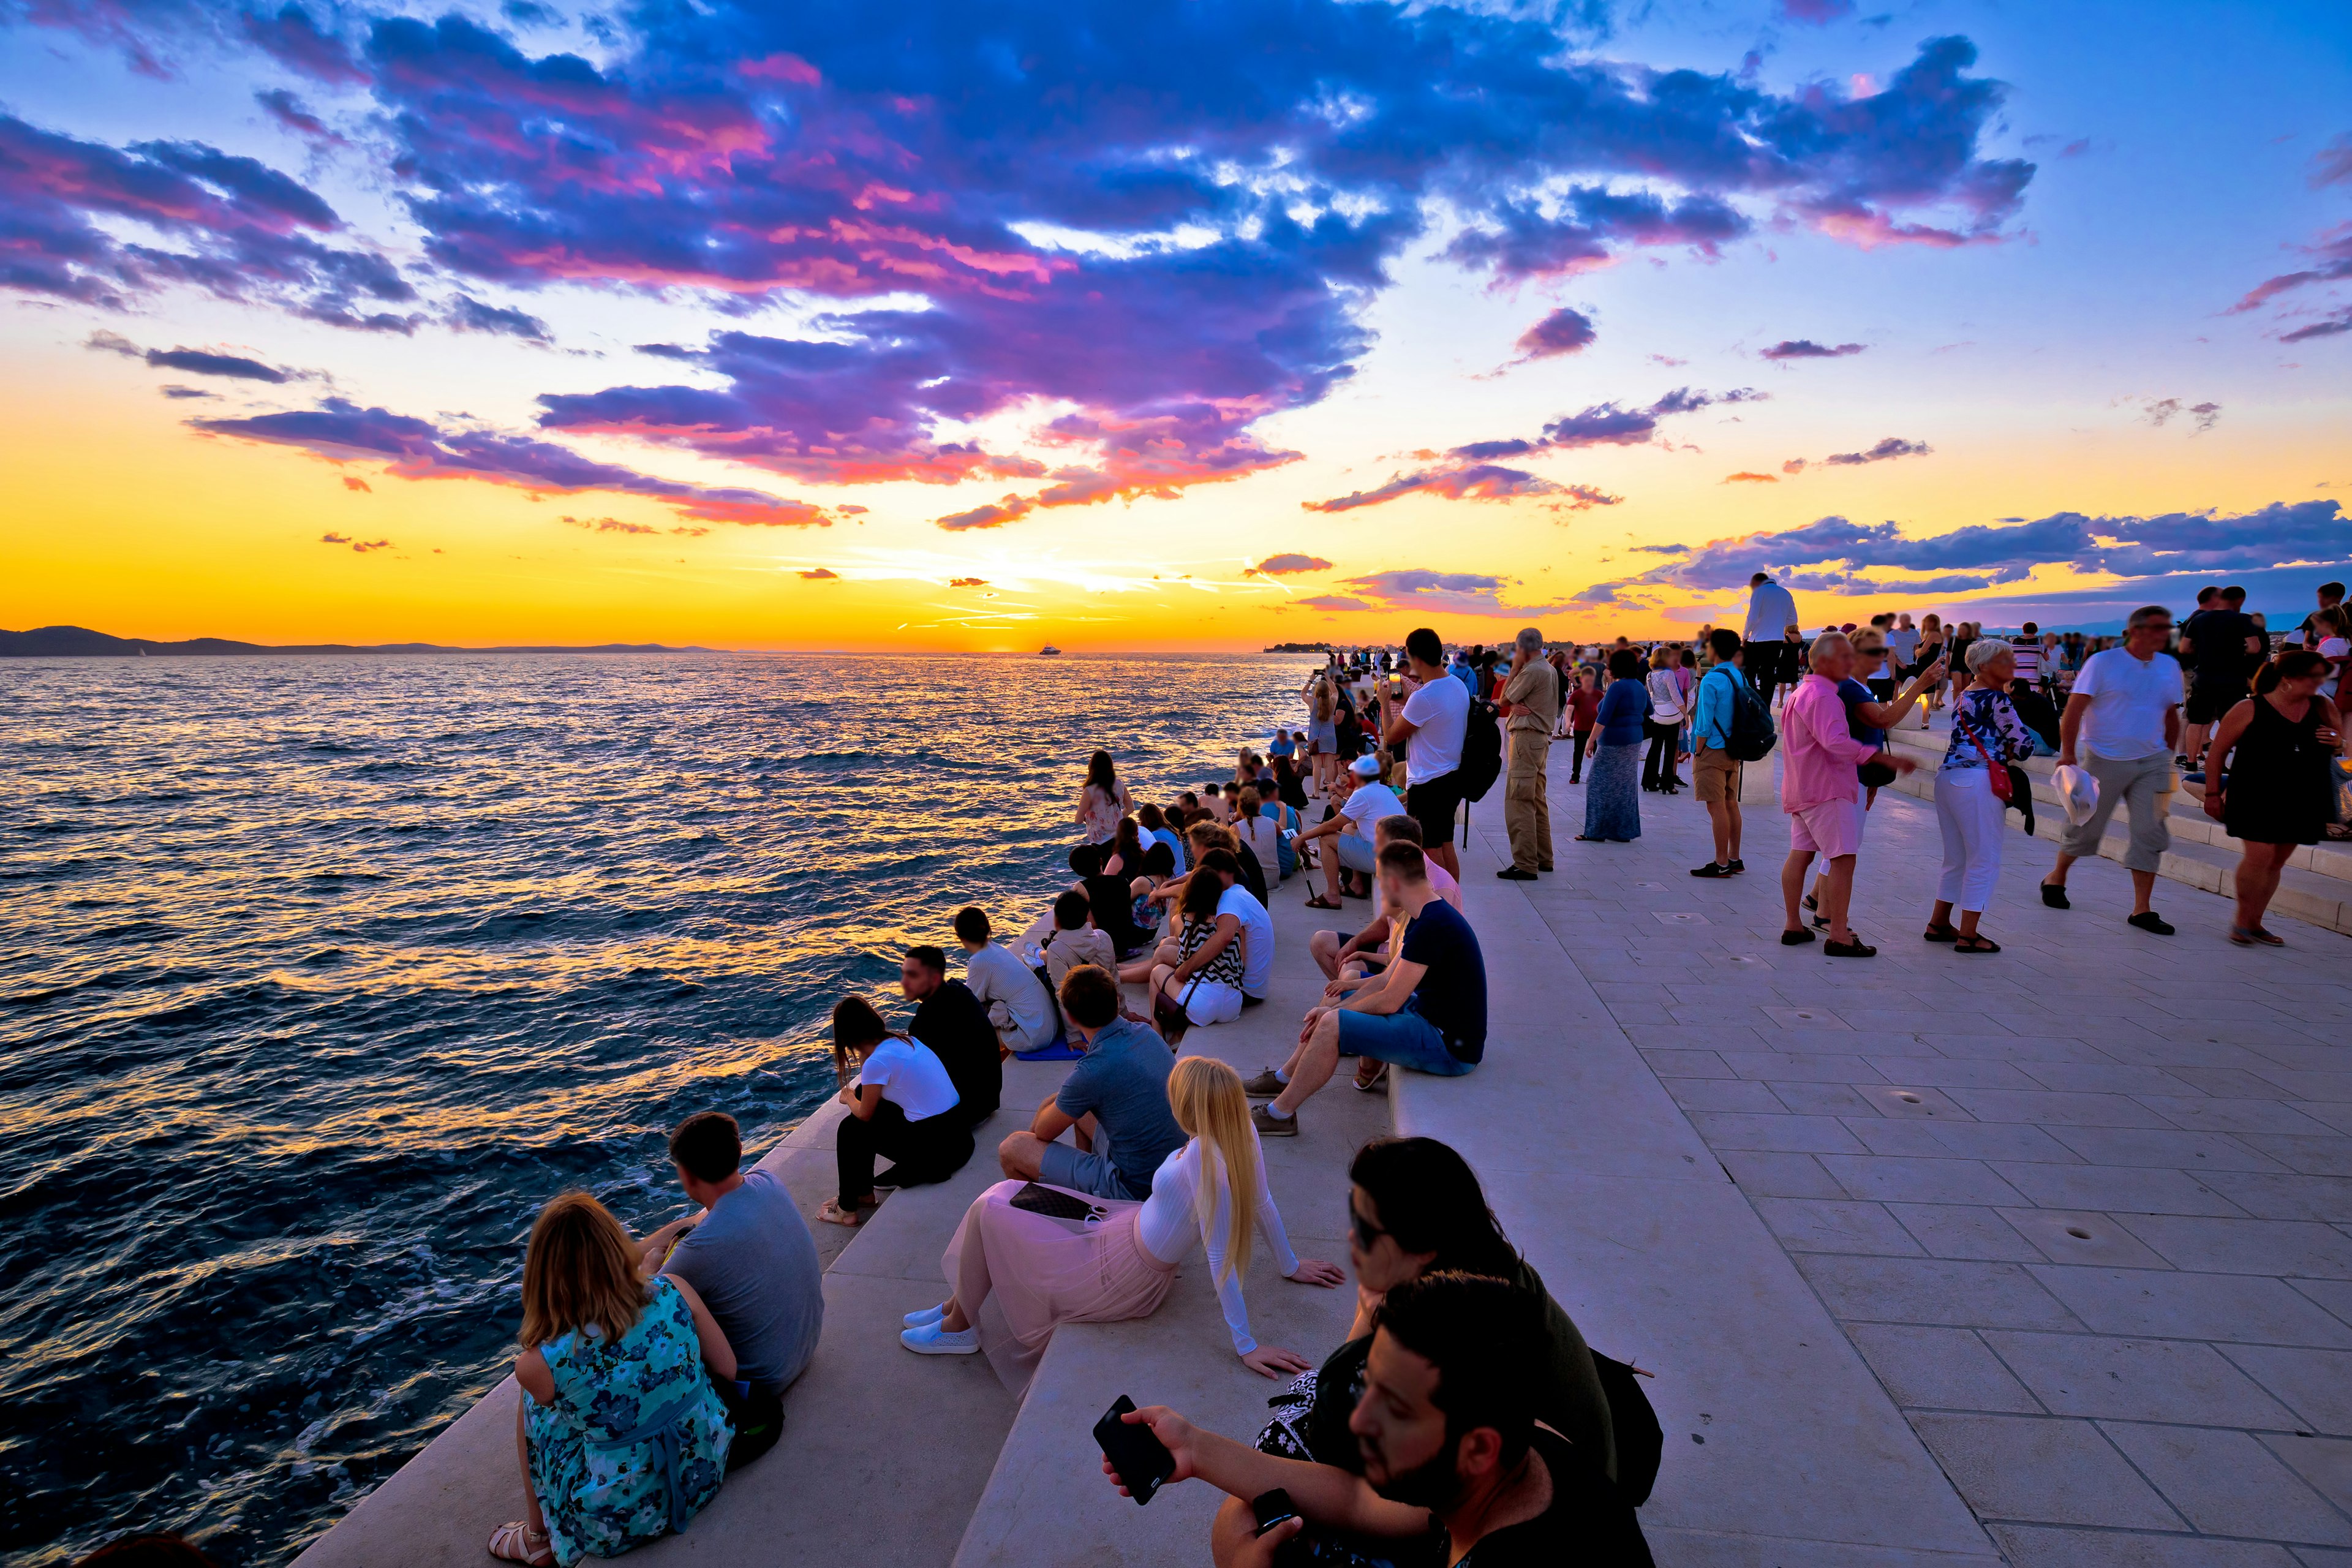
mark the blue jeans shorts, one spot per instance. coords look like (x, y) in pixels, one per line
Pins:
(1403, 1039)
(1062, 1165)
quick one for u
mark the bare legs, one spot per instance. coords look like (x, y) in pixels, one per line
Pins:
(1723, 815)
(1942, 918)
(1836, 892)
(1310, 1065)
(532, 1514)
(2258, 880)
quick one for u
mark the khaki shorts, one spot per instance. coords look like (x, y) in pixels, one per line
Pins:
(1716, 774)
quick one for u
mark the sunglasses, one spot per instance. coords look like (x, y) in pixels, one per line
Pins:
(1367, 1234)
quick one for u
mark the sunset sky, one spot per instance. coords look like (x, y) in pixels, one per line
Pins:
(1198, 324)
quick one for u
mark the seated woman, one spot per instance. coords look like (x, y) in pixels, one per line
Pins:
(1126, 859)
(1416, 1208)
(1206, 978)
(1146, 912)
(623, 1437)
(1042, 1270)
(897, 1104)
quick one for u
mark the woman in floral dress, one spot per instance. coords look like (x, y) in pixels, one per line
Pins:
(624, 1438)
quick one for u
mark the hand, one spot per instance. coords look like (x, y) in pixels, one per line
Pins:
(2065, 759)
(2214, 803)
(848, 1096)
(1306, 1029)
(1266, 1361)
(2328, 735)
(1315, 1272)
(1178, 1436)
(1899, 763)
(1259, 1551)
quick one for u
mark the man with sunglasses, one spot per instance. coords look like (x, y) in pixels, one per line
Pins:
(2125, 715)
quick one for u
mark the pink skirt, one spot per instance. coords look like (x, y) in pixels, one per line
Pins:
(1019, 1274)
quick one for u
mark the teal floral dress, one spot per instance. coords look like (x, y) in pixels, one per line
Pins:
(635, 1445)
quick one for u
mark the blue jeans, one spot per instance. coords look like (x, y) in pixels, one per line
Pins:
(1062, 1165)
(1403, 1037)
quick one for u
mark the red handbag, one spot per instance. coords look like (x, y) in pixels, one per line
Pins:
(1996, 774)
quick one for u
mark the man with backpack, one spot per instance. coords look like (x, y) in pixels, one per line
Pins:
(1715, 709)
(1432, 720)
(1532, 699)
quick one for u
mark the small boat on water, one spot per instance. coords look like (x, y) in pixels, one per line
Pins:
(1049, 651)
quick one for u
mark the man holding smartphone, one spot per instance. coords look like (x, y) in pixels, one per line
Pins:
(1432, 720)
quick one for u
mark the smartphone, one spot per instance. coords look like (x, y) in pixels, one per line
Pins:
(1134, 1450)
(1271, 1509)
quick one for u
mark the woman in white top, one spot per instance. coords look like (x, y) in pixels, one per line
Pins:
(1120, 1261)
(897, 1103)
(1666, 721)
(1103, 801)
(2327, 629)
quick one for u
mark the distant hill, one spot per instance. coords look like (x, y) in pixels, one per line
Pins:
(80, 642)
(1298, 648)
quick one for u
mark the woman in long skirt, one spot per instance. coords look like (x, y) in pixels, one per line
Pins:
(1612, 800)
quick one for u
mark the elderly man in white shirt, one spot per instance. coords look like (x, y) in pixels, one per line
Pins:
(2125, 714)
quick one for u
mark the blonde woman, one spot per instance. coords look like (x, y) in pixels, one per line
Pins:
(1664, 724)
(1931, 648)
(613, 1383)
(1322, 731)
(1120, 1263)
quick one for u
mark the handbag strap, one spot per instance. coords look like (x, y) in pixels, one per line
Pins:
(1970, 730)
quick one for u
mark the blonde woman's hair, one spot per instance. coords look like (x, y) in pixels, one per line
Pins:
(1658, 656)
(1322, 709)
(1206, 1096)
(580, 1270)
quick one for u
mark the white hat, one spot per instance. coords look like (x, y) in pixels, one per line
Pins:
(1365, 767)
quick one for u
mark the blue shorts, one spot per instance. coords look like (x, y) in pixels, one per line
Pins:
(1356, 853)
(1062, 1165)
(1403, 1037)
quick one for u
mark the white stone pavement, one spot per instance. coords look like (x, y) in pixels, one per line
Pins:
(2085, 1206)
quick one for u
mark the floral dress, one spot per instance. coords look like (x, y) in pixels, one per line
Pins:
(636, 1443)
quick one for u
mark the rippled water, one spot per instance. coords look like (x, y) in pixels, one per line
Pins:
(317, 977)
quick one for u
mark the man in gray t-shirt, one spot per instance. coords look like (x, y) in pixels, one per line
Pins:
(1115, 1098)
(749, 1256)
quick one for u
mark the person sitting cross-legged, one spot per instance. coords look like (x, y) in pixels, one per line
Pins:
(1114, 1103)
(1429, 1014)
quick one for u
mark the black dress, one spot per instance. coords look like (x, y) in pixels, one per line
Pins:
(2278, 790)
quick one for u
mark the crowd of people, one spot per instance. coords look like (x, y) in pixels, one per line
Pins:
(1463, 1406)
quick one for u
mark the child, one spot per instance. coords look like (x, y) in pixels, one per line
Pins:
(1067, 937)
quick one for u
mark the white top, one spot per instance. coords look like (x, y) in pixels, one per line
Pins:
(1370, 802)
(2336, 650)
(911, 1078)
(1257, 936)
(1666, 698)
(1169, 1224)
(1904, 643)
(2127, 702)
(997, 977)
(1772, 611)
(1439, 713)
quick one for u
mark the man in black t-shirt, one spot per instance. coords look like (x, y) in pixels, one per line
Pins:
(2223, 647)
(950, 1020)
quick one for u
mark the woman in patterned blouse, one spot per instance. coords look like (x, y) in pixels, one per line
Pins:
(1986, 733)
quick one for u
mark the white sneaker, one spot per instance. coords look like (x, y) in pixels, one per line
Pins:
(925, 1317)
(933, 1339)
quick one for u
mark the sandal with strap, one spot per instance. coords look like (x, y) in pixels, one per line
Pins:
(1319, 902)
(1942, 933)
(1975, 944)
(512, 1543)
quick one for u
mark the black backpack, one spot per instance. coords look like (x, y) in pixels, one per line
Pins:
(1752, 736)
(1641, 1441)
(1481, 749)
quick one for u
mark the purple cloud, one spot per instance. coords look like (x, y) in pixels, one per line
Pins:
(2340, 322)
(1471, 481)
(342, 431)
(1289, 565)
(196, 362)
(1805, 348)
(1815, 12)
(821, 574)
(1604, 424)
(469, 314)
(1892, 447)
(1564, 331)
(1333, 602)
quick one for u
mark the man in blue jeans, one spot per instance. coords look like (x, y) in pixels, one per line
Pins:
(1114, 1103)
(1429, 1014)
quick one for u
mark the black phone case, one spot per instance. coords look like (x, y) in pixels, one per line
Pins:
(1054, 1204)
(1142, 1460)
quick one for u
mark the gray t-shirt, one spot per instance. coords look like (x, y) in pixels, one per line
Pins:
(1123, 1080)
(754, 1263)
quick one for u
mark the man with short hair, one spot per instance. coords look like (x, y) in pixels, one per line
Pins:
(950, 1019)
(1431, 723)
(2223, 646)
(2331, 597)
(749, 1256)
(1358, 799)
(1332, 949)
(1715, 772)
(1531, 706)
(2125, 715)
(1019, 1007)
(1114, 1103)
(1455, 1467)
(1246, 909)
(1430, 1015)
(1823, 796)
(1903, 642)
(1772, 624)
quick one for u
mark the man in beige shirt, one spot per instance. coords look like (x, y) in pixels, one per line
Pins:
(1532, 700)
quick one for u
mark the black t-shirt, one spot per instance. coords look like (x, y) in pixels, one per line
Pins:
(1587, 1525)
(955, 1026)
(1252, 873)
(1452, 994)
(2218, 639)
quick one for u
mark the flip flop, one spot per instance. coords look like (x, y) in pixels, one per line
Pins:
(512, 1543)
(1319, 902)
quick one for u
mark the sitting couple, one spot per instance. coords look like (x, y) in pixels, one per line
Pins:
(1465, 1421)
(680, 1345)
(1209, 1186)
(1221, 956)
(909, 1102)
(1425, 1009)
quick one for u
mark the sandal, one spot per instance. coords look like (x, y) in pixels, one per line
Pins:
(832, 1212)
(1371, 1085)
(512, 1543)
(1975, 943)
(1942, 933)
(1319, 902)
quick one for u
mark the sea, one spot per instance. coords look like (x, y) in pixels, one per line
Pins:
(319, 975)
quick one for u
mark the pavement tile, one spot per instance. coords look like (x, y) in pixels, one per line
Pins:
(1950, 1072)
(2012, 1048)
(2325, 1462)
(2328, 1198)
(1892, 1179)
(1960, 1140)
(1960, 1230)
(2225, 1082)
(1822, 1099)
(2328, 1054)
(2246, 1246)
(2137, 1380)
(1759, 1174)
(2339, 1117)
(2123, 1189)
(2102, 1078)
(2034, 1546)
(1722, 1094)
(2051, 1108)
(1676, 1063)
(1676, 1038)
(2317, 1384)
(2230, 1114)
(2333, 1088)
(1942, 1369)
(2226, 1483)
(2174, 1304)
(1933, 1290)
(2026, 1467)
(2329, 1155)
(1810, 1066)
(1782, 1134)
(2081, 1235)
(1912, 1102)
(2333, 1295)
(2155, 1146)
(1816, 1224)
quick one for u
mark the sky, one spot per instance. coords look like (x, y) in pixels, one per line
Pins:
(1187, 325)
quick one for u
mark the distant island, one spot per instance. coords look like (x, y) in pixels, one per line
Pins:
(80, 642)
(1299, 647)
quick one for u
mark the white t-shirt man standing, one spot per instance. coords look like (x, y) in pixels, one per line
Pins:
(2125, 713)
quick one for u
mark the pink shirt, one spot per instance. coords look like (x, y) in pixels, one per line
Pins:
(1442, 881)
(1818, 754)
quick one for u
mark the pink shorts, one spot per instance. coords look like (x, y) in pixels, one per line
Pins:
(1832, 829)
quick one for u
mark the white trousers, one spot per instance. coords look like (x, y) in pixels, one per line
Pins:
(1210, 1002)
(1971, 816)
